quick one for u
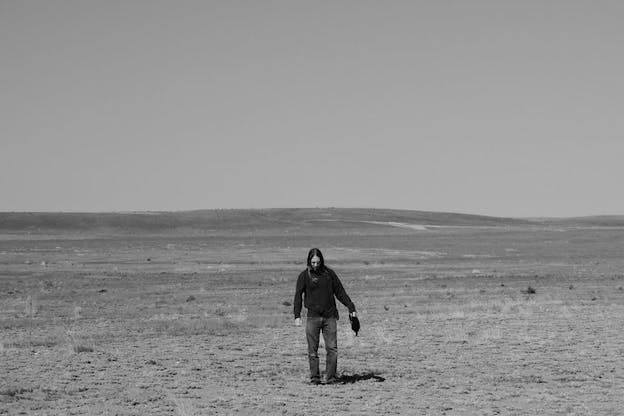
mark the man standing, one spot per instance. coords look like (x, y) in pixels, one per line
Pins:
(319, 285)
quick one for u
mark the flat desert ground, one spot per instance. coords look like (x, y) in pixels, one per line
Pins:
(457, 320)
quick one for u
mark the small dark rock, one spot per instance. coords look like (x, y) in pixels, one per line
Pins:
(190, 298)
(286, 303)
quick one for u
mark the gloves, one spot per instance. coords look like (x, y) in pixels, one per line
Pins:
(297, 321)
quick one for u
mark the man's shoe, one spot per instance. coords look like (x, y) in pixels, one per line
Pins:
(315, 381)
(332, 380)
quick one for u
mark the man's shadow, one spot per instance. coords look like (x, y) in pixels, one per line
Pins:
(346, 378)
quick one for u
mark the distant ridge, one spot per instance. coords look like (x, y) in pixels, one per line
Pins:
(262, 219)
(593, 221)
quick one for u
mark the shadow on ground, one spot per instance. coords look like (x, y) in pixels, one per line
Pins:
(346, 378)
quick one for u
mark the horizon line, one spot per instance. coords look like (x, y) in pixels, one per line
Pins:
(151, 211)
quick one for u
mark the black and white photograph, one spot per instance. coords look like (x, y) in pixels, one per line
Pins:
(290, 207)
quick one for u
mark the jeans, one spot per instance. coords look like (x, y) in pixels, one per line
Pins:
(329, 327)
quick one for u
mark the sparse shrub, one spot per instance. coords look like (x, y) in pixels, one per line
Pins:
(220, 312)
(78, 348)
(530, 290)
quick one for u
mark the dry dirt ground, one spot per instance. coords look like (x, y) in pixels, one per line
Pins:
(180, 325)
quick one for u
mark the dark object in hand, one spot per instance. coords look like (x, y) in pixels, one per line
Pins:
(355, 324)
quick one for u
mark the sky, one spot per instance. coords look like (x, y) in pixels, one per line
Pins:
(502, 108)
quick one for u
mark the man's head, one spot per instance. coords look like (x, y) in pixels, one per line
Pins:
(315, 259)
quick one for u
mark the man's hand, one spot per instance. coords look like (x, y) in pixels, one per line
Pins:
(355, 322)
(297, 321)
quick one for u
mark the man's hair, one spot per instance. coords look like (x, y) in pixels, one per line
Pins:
(316, 252)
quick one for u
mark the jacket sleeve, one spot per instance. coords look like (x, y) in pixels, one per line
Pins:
(298, 294)
(341, 294)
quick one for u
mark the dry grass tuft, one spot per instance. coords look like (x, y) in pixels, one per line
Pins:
(29, 342)
(78, 348)
(188, 326)
(14, 391)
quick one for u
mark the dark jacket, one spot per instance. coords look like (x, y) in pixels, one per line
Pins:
(319, 290)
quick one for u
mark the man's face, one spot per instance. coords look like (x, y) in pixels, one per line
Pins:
(315, 262)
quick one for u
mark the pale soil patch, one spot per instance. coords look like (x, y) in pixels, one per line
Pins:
(417, 227)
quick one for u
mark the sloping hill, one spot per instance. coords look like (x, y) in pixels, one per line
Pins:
(593, 221)
(237, 220)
